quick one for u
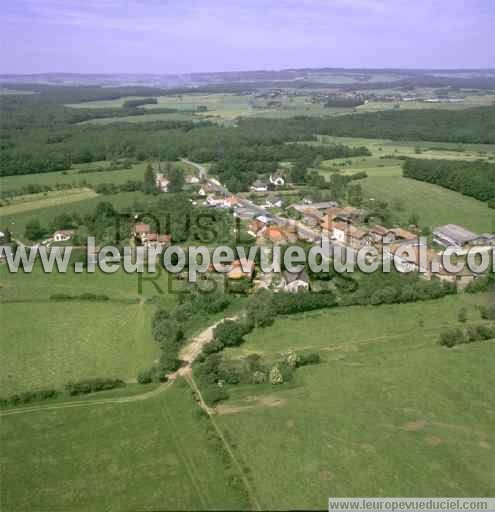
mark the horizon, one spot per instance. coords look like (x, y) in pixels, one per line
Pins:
(104, 37)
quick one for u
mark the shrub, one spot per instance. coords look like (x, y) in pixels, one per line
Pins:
(451, 337)
(276, 376)
(231, 332)
(308, 358)
(213, 394)
(146, 376)
(259, 377)
(92, 386)
(488, 312)
(462, 315)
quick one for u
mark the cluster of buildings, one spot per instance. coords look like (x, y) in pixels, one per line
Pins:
(148, 238)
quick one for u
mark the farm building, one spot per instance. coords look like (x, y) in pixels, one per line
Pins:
(454, 235)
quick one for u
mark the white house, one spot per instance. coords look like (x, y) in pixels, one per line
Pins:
(63, 235)
(161, 182)
(259, 186)
(293, 282)
(277, 180)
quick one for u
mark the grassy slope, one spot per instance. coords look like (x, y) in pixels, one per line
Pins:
(73, 177)
(434, 205)
(149, 455)
(48, 344)
(17, 222)
(388, 412)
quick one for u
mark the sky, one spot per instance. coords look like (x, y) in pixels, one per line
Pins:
(183, 36)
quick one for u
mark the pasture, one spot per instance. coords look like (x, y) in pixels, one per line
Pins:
(74, 177)
(47, 344)
(440, 150)
(434, 205)
(16, 222)
(152, 454)
(388, 412)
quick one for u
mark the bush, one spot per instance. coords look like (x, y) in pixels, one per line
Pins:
(488, 312)
(92, 386)
(231, 333)
(213, 394)
(146, 376)
(451, 337)
(308, 358)
(276, 376)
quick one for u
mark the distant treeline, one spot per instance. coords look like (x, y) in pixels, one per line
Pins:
(475, 179)
(38, 135)
(140, 102)
(343, 102)
(476, 126)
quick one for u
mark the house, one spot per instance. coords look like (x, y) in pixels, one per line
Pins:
(215, 201)
(244, 213)
(192, 180)
(293, 282)
(378, 233)
(277, 180)
(278, 235)
(344, 215)
(161, 182)
(63, 235)
(410, 257)
(402, 234)
(312, 216)
(259, 186)
(207, 189)
(156, 240)
(347, 234)
(141, 230)
(231, 202)
(274, 202)
(241, 269)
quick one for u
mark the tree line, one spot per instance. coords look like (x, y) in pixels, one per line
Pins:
(474, 179)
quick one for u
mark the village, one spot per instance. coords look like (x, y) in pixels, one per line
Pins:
(270, 220)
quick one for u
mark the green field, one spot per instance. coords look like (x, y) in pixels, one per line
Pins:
(440, 150)
(220, 107)
(152, 454)
(433, 204)
(73, 177)
(16, 223)
(47, 344)
(388, 412)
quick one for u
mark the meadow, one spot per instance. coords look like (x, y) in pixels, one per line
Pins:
(434, 205)
(152, 454)
(58, 342)
(388, 412)
(16, 222)
(74, 177)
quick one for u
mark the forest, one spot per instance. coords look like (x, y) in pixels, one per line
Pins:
(474, 179)
(39, 134)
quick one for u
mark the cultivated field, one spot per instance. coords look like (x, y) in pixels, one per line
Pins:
(152, 454)
(387, 413)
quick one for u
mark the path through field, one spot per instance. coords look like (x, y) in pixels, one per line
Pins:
(188, 354)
